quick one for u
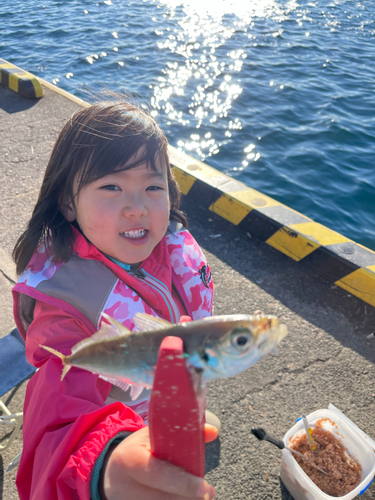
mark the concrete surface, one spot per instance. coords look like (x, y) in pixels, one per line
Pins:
(325, 358)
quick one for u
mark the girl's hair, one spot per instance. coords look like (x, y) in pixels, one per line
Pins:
(95, 142)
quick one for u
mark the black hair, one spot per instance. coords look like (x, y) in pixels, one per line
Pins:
(95, 141)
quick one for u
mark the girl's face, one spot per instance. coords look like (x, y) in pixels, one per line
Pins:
(125, 214)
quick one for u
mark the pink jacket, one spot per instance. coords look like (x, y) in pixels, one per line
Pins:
(67, 424)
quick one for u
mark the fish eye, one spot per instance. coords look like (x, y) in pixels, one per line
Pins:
(205, 357)
(241, 338)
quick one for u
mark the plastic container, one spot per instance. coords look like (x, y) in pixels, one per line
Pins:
(297, 481)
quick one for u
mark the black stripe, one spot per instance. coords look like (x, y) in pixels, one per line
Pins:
(4, 78)
(203, 194)
(229, 186)
(26, 88)
(353, 253)
(14, 70)
(327, 264)
(259, 225)
(283, 215)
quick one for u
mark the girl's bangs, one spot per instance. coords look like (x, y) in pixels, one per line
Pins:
(115, 155)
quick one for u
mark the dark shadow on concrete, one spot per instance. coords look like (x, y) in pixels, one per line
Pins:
(11, 102)
(285, 495)
(212, 455)
(292, 283)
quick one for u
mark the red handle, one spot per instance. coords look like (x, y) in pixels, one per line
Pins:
(176, 414)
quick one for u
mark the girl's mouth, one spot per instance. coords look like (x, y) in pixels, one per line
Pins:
(135, 234)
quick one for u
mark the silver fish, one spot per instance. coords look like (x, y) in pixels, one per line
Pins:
(215, 347)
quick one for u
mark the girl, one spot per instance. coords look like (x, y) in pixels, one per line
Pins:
(106, 235)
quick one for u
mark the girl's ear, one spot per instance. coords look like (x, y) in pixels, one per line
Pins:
(68, 211)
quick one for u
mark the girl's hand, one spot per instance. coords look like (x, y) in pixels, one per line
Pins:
(130, 472)
(185, 319)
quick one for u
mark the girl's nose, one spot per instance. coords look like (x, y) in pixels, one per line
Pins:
(134, 207)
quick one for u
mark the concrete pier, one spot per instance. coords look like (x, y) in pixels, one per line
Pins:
(326, 358)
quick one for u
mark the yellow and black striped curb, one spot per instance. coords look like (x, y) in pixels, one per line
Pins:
(341, 261)
(20, 81)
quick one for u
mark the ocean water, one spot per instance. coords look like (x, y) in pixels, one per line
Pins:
(277, 94)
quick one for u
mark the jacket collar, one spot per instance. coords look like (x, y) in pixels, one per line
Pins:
(158, 264)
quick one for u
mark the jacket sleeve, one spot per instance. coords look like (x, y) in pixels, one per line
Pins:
(66, 423)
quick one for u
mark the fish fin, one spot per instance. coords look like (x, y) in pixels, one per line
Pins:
(53, 351)
(106, 332)
(65, 371)
(122, 385)
(136, 391)
(61, 356)
(146, 322)
(280, 333)
(274, 337)
(122, 330)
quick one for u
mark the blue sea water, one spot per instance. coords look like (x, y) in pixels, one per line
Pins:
(278, 94)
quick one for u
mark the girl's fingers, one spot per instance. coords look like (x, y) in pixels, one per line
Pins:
(137, 491)
(210, 433)
(160, 475)
(185, 319)
(132, 463)
(133, 456)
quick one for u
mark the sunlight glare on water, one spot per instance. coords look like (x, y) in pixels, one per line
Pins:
(201, 76)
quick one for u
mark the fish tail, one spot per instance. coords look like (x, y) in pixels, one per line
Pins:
(61, 356)
(65, 371)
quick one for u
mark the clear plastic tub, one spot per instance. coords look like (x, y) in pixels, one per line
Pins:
(296, 480)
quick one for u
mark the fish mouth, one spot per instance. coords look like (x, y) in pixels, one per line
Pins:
(135, 234)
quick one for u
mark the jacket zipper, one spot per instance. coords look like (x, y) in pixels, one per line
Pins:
(160, 287)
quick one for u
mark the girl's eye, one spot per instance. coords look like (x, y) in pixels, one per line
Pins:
(154, 188)
(110, 187)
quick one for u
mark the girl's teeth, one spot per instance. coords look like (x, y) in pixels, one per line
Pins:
(137, 233)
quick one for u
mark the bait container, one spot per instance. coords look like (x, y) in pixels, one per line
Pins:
(355, 441)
